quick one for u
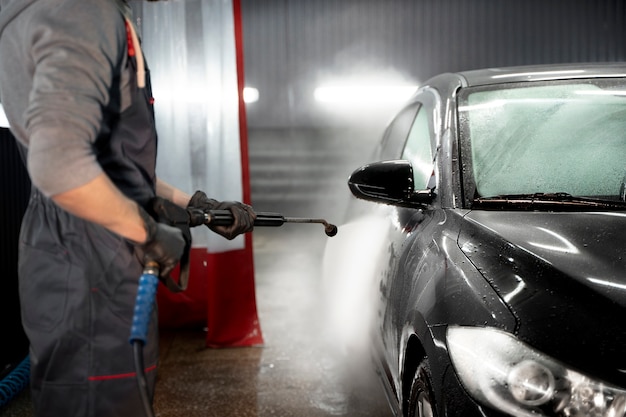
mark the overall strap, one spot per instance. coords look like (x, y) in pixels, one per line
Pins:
(134, 50)
(134, 46)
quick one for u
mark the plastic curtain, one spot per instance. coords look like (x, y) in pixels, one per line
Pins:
(196, 72)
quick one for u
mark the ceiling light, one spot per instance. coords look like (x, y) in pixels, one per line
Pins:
(4, 122)
(364, 94)
(250, 95)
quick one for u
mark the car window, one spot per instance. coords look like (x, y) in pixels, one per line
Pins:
(418, 150)
(558, 137)
(396, 133)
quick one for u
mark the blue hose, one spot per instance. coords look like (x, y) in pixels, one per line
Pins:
(146, 293)
(15, 382)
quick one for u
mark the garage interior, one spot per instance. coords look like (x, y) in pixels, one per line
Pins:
(301, 152)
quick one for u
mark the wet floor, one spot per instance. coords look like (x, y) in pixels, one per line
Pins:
(300, 370)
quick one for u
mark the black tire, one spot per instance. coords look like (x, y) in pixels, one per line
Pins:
(421, 399)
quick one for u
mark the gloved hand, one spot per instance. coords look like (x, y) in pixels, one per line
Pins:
(164, 245)
(243, 214)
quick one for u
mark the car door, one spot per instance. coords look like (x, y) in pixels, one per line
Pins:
(407, 250)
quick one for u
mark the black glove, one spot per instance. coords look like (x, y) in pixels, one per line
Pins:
(164, 245)
(243, 214)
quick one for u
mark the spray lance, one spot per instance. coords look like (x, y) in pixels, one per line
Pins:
(167, 212)
(225, 218)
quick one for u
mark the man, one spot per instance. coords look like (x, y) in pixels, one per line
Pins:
(75, 89)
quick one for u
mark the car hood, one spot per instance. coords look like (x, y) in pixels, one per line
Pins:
(563, 275)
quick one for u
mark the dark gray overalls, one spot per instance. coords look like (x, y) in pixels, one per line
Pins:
(78, 281)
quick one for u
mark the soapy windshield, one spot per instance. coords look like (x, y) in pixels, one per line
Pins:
(556, 137)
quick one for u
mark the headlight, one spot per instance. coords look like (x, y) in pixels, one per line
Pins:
(503, 373)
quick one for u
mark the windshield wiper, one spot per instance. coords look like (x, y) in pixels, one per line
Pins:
(536, 201)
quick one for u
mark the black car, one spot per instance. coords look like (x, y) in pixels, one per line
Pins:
(500, 271)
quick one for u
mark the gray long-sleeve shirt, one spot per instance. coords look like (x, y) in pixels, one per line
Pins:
(58, 64)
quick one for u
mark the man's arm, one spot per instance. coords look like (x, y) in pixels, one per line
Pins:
(169, 192)
(101, 202)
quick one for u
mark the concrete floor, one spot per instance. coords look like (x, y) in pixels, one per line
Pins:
(298, 372)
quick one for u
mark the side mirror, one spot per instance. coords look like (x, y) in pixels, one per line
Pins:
(388, 182)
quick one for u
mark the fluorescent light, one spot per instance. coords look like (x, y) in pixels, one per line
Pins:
(364, 94)
(190, 95)
(4, 122)
(250, 95)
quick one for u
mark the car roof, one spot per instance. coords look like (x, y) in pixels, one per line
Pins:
(541, 72)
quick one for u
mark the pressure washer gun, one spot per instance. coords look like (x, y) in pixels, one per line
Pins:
(166, 212)
(225, 218)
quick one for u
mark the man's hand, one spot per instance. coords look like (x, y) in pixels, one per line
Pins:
(243, 214)
(164, 245)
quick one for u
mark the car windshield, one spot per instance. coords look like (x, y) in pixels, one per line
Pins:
(553, 138)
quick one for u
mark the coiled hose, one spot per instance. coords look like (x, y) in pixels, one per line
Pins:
(14, 382)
